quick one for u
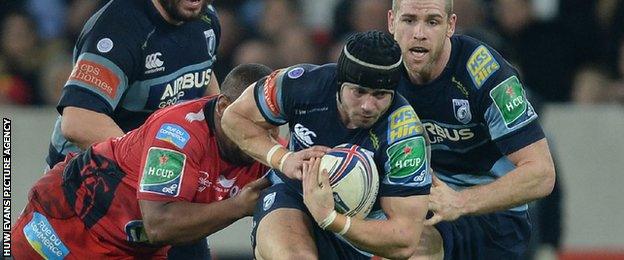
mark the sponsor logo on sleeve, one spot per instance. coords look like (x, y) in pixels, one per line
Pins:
(510, 100)
(296, 72)
(461, 107)
(163, 172)
(270, 93)
(104, 45)
(407, 160)
(481, 65)
(403, 123)
(173, 134)
(44, 239)
(97, 76)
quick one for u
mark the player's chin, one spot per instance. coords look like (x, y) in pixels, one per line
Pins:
(191, 9)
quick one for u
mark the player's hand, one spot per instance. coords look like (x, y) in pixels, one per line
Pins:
(317, 193)
(445, 203)
(293, 165)
(249, 195)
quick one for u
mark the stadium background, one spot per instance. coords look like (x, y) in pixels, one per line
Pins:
(570, 53)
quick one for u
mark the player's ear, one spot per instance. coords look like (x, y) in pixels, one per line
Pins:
(390, 22)
(451, 27)
(222, 103)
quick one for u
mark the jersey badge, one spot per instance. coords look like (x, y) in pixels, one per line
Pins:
(203, 181)
(199, 116)
(268, 200)
(173, 134)
(304, 135)
(163, 172)
(509, 98)
(153, 63)
(211, 41)
(407, 161)
(461, 107)
(104, 45)
(43, 238)
(296, 72)
(403, 123)
(481, 65)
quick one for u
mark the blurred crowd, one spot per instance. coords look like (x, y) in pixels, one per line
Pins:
(566, 51)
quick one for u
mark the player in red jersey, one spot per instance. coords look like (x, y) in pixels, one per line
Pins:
(174, 180)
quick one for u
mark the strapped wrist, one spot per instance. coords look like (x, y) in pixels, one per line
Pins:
(328, 220)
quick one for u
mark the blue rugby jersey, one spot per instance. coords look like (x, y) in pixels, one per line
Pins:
(475, 113)
(128, 62)
(304, 96)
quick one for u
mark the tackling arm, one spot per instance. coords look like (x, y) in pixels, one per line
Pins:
(180, 222)
(244, 125)
(533, 178)
(85, 127)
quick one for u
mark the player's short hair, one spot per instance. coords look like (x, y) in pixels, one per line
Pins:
(448, 6)
(370, 59)
(241, 77)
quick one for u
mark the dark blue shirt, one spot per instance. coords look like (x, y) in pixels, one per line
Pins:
(128, 62)
(475, 113)
(304, 96)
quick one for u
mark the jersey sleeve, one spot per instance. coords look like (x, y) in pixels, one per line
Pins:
(278, 94)
(104, 61)
(405, 156)
(170, 161)
(508, 114)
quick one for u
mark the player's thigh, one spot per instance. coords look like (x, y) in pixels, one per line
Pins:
(285, 233)
(430, 245)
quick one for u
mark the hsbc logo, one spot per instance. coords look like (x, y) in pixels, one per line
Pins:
(153, 63)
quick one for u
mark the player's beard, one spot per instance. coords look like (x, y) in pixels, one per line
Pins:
(230, 153)
(176, 11)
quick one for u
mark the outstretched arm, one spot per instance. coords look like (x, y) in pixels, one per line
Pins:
(533, 178)
(182, 222)
(243, 123)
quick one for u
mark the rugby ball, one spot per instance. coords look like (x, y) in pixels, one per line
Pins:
(353, 177)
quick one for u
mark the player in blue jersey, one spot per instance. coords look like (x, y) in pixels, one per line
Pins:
(489, 154)
(350, 102)
(133, 57)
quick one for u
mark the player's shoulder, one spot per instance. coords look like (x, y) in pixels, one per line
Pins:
(181, 123)
(310, 79)
(401, 121)
(479, 63)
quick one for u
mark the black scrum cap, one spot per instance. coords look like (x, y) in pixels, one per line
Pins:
(370, 59)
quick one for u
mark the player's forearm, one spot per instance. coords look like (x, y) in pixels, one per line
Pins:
(84, 127)
(252, 138)
(183, 222)
(526, 183)
(386, 238)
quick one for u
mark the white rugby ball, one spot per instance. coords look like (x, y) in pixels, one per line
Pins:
(353, 177)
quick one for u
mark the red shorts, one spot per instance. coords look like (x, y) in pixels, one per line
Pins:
(49, 228)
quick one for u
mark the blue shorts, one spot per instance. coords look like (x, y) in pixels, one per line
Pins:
(500, 235)
(281, 196)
